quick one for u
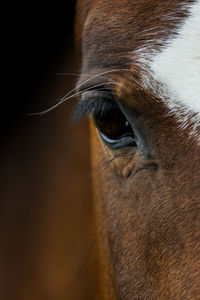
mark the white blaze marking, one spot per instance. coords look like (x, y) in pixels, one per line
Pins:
(177, 66)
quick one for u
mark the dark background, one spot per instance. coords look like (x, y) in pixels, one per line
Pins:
(36, 40)
(45, 201)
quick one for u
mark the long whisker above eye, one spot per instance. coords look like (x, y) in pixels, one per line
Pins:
(99, 75)
(67, 98)
(104, 77)
(89, 79)
(68, 74)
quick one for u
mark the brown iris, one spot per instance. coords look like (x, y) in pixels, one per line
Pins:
(112, 123)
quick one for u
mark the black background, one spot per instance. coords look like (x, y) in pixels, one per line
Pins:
(35, 40)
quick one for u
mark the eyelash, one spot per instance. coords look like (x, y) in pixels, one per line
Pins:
(94, 105)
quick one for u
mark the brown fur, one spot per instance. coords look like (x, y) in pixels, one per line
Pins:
(147, 210)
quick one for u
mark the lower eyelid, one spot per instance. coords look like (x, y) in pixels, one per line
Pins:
(122, 142)
(106, 139)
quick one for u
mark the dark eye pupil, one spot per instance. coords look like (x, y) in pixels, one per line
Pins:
(112, 123)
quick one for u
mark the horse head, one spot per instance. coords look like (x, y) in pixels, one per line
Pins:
(140, 84)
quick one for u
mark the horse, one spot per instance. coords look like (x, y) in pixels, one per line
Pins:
(140, 86)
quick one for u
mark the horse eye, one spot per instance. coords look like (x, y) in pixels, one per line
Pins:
(114, 128)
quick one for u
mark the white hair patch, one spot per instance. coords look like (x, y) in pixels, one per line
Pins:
(177, 68)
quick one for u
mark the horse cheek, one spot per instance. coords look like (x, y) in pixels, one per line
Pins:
(103, 270)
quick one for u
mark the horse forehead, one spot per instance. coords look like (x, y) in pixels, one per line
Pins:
(163, 35)
(113, 28)
(177, 66)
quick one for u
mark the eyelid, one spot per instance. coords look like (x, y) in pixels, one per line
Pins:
(97, 93)
(105, 138)
(91, 102)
